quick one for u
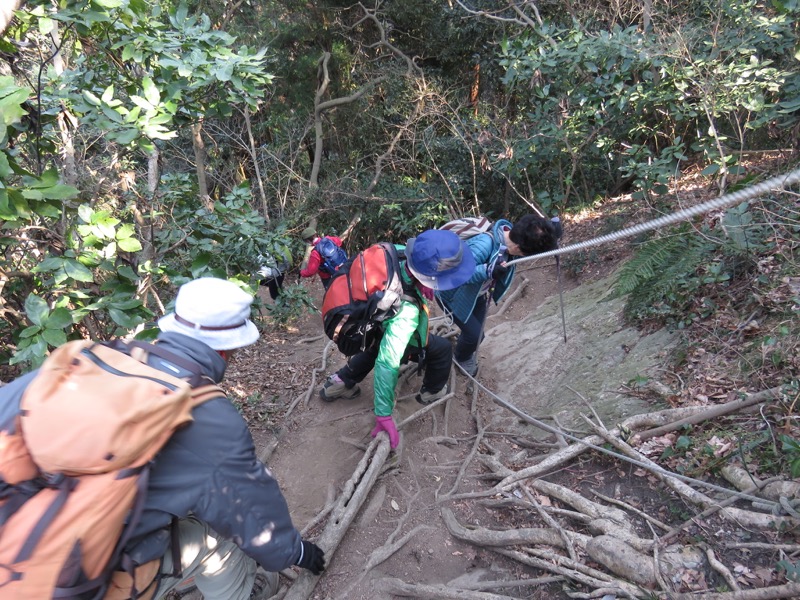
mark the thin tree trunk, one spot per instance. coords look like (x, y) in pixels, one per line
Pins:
(200, 164)
(256, 170)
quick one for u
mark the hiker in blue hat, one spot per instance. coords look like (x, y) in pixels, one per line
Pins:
(491, 279)
(435, 260)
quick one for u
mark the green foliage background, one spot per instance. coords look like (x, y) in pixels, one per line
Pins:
(143, 144)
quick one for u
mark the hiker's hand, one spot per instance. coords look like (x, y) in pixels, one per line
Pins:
(499, 272)
(312, 558)
(387, 424)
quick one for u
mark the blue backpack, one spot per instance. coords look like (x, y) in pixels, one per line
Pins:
(332, 255)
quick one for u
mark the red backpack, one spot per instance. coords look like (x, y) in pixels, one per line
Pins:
(362, 294)
(74, 464)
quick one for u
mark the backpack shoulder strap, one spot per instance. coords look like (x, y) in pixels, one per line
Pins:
(140, 351)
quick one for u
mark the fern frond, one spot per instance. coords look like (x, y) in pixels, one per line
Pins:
(652, 259)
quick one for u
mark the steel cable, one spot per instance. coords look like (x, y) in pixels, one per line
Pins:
(758, 189)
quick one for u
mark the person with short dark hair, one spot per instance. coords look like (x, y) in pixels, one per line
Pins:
(469, 303)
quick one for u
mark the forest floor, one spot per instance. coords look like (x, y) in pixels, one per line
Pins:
(403, 542)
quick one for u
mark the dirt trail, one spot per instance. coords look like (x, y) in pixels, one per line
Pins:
(525, 360)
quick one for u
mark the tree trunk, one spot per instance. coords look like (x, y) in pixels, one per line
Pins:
(200, 164)
(256, 170)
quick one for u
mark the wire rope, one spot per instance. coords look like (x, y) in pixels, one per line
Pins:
(748, 193)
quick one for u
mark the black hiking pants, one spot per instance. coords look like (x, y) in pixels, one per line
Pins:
(437, 360)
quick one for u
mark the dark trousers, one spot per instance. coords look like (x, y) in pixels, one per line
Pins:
(326, 283)
(471, 329)
(438, 357)
(275, 286)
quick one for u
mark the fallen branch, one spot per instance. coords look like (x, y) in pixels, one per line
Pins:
(397, 587)
(510, 298)
(743, 518)
(714, 412)
(722, 570)
(576, 572)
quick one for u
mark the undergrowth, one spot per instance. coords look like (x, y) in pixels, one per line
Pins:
(731, 285)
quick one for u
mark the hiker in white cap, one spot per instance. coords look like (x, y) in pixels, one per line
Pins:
(211, 513)
(234, 517)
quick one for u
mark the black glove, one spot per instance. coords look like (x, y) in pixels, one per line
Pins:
(312, 558)
(499, 272)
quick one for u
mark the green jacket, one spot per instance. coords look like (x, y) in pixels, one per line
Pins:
(398, 334)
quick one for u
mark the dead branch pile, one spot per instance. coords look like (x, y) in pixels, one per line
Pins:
(601, 546)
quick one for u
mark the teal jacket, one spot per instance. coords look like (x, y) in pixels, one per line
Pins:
(398, 334)
(485, 248)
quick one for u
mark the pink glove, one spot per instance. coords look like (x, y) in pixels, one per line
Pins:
(387, 424)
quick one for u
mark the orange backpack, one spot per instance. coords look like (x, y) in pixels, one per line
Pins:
(364, 292)
(74, 467)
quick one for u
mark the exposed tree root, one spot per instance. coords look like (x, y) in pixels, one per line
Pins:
(345, 510)
(432, 592)
(790, 590)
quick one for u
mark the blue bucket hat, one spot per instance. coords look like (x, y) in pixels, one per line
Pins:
(439, 259)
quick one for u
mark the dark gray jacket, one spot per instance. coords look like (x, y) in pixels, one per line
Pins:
(209, 468)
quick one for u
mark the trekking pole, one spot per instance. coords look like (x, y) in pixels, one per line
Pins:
(561, 299)
(556, 221)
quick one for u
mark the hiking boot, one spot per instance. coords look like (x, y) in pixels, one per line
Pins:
(334, 388)
(470, 365)
(425, 396)
(265, 585)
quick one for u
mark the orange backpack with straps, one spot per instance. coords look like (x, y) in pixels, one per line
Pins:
(74, 467)
(364, 292)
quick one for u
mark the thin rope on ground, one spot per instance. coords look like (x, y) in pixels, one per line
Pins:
(550, 429)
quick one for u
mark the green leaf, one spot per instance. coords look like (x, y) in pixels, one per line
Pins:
(85, 212)
(125, 231)
(36, 309)
(54, 337)
(126, 304)
(128, 273)
(77, 271)
(91, 98)
(151, 93)
(126, 136)
(11, 99)
(200, 263)
(60, 192)
(122, 318)
(710, 170)
(29, 331)
(58, 319)
(5, 167)
(129, 245)
(224, 72)
(108, 94)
